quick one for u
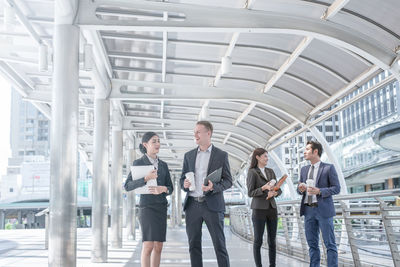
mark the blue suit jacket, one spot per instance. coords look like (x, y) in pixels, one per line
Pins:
(327, 181)
(218, 158)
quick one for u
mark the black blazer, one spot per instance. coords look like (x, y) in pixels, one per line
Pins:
(255, 180)
(218, 158)
(163, 178)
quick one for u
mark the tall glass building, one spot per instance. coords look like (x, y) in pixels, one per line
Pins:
(365, 165)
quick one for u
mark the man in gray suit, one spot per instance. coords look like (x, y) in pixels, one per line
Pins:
(205, 202)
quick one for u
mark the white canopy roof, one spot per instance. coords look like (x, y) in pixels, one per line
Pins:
(291, 59)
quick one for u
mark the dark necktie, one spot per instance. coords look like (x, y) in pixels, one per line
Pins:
(311, 177)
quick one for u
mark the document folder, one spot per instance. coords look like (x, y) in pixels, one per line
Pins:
(214, 177)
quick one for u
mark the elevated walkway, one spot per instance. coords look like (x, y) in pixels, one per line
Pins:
(26, 248)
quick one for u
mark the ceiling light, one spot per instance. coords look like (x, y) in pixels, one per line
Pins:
(87, 57)
(43, 57)
(226, 65)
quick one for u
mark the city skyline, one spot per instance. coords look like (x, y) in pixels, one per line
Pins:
(5, 104)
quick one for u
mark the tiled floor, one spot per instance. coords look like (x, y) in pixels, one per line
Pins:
(22, 248)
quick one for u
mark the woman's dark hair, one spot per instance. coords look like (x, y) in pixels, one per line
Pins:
(145, 138)
(257, 152)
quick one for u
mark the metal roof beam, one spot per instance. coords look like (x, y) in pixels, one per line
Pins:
(334, 8)
(22, 87)
(252, 66)
(25, 23)
(273, 145)
(235, 37)
(225, 20)
(138, 56)
(186, 91)
(329, 102)
(188, 126)
(288, 63)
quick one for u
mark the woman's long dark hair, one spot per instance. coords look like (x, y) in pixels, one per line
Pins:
(145, 138)
(257, 152)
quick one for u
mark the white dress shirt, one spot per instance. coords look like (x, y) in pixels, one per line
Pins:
(200, 173)
(153, 161)
(315, 174)
(263, 172)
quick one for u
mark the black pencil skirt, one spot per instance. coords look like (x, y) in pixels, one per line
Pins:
(153, 222)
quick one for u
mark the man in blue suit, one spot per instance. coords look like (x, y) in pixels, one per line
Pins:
(205, 202)
(318, 182)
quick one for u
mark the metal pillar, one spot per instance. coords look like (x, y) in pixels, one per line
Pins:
(19, 216)
(343, 187)
(99, 218)
(47, 226)
(64, 137)
(180, 207)
(80, 224)
(2, 219)
(116, 182)
(317, 134)
(30, 219)
(124, 208)
(131, 197)
(173, 217)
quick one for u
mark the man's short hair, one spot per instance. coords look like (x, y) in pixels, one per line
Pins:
(316, 145)
(207, 125)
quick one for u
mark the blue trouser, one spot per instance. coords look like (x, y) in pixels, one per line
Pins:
(313, 222)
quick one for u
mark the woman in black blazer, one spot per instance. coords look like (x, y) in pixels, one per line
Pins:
(263, 204)
(152, 207)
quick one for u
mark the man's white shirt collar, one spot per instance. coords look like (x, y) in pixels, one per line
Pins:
(208, 149)
(316, 165)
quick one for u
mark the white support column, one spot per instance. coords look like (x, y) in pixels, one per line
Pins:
(131, 197)
(327, 148)
(173, 216)
(292, 191)
(395, 67)
(64, 139)
(180, 207)
(99, 219)
(282, 167)
(343, 187)
(116, 181)
(2, 219)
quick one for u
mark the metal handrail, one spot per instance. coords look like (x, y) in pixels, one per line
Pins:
(367, 228)
(372, 194)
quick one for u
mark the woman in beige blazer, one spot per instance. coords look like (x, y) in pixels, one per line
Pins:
(263, 204)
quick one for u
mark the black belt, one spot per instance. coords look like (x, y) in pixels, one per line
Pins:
(199, 199)
(313, 205)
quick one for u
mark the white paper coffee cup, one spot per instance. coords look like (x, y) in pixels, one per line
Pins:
(310, 182)
(190, 177)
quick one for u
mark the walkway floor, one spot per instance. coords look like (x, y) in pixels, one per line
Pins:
(22, 248)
